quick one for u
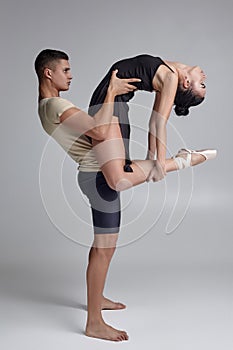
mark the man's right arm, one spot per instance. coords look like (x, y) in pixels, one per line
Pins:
(97, 126)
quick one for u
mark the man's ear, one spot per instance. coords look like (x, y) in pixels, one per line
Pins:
(48, 73)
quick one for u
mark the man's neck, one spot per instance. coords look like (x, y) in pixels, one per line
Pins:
(47, 92)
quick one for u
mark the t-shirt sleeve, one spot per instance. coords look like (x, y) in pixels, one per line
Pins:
(56, 108)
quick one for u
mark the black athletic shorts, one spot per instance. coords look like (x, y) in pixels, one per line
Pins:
(104, 201)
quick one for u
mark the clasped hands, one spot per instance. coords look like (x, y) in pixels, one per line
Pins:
(157, 173)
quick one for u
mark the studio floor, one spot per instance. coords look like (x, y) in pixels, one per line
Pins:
(170, 304)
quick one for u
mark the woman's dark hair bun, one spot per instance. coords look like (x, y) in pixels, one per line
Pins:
(184, 99)
(181, 110)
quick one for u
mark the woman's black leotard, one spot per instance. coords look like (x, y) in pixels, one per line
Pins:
(143, 67)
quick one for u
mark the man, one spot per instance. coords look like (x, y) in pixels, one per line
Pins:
(54, 75)
(72, 129)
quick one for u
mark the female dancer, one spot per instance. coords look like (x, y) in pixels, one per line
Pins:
(174, 83)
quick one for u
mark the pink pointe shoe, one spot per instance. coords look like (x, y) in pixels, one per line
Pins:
(186, 162)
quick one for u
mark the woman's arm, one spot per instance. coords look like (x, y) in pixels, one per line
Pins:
(162, 109)
(152, 130)
(97, 126)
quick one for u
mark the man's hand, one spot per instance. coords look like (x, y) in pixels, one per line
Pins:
(157, 173)
(121, 86)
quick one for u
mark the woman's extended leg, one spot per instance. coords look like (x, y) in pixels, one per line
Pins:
(111, 157)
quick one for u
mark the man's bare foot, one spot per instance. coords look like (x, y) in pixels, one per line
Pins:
(108, 304)
(103, 331)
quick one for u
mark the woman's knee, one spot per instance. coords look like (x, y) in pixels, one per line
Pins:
(116, 178)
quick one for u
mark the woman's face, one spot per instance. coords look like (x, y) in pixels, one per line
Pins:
(197, 80)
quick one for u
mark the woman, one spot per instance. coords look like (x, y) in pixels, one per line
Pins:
(174, 83)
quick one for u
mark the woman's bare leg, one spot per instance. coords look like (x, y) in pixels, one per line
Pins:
(100, 257)
(111, 157)
(120, 180)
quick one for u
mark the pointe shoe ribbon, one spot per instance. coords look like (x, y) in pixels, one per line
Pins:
(186, 163)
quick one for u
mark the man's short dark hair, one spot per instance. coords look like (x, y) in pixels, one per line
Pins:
(46, 58)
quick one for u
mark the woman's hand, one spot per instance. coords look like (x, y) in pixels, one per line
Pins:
(157, 173)
(119, 86)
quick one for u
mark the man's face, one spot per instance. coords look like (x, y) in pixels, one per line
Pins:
(61, 75)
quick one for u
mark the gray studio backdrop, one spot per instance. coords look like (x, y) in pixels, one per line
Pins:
(41, 227)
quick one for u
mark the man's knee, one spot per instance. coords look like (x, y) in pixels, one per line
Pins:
(106, 242)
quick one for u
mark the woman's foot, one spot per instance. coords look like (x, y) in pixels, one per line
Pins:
(108, 304)
(103, 331)
(186, 158)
